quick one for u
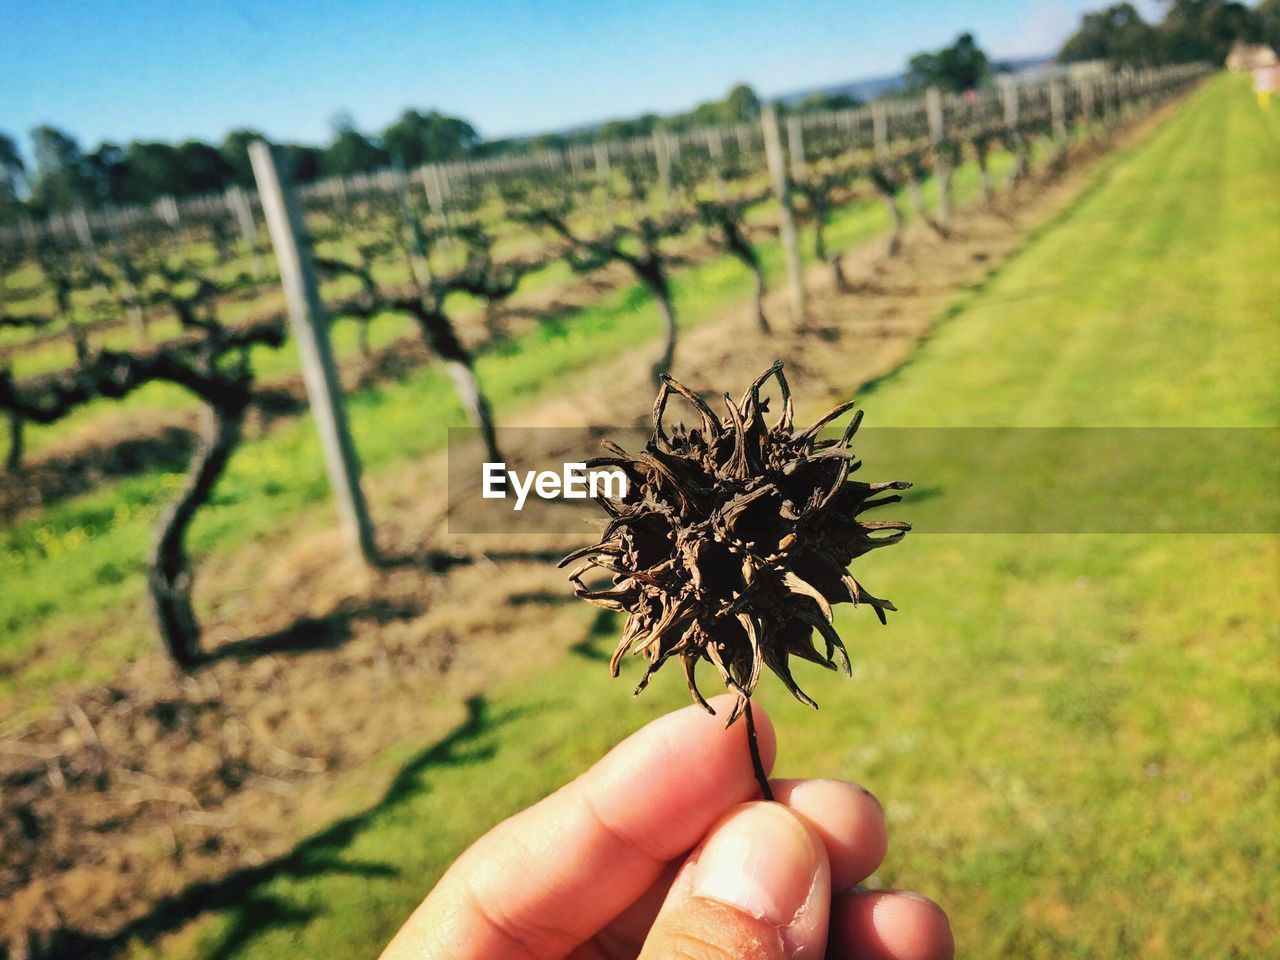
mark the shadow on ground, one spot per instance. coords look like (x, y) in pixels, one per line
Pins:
(244, 894)
(315, 633)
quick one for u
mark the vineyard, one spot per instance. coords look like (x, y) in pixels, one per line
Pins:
(192, 632)
(184, 310)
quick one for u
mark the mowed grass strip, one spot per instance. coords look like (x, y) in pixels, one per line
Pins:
(1073, 735)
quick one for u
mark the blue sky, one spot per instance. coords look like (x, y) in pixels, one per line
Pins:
(143, 69)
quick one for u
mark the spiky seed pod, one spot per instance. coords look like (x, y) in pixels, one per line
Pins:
(733, 541)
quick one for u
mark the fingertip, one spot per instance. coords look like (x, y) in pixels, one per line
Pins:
(890, 925)
(681, 770)
(760, 887)
(849, 820)
(722, 704)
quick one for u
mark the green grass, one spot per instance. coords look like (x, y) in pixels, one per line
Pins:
(1073, 735)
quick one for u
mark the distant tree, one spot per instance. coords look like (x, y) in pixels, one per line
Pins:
(152, 170)
(306, 162)
(703, 115)
(1205, 29)
(63, 180)
(235, 152)
(351, 151)
(13, 175)
(204, 169)
(1117, 34)
(1268, 13)
(498, 147)
(108, 170)
(417, 138)
(741, 105)
(548, 141)
(624, 129)
(957, 68)
(825, 103)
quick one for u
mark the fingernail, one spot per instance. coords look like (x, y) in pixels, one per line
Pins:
(760, 860)
(913, 896)
(872, 797)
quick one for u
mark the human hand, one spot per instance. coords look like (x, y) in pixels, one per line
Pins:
(602, 868)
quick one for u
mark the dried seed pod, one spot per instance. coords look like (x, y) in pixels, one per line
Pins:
(733, 541)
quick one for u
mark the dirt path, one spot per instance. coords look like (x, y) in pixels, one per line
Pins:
(129, 793)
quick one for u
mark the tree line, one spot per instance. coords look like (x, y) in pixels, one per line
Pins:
(60, 175)
(1190, 31)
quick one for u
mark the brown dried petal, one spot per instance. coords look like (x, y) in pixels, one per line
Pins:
(732, 541)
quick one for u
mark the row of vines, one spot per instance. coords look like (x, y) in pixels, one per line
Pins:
(95, 308)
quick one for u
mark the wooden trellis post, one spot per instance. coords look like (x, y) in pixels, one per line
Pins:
(662, 156)
(795, 144)
(133, 308)
(603, 171)
(419, 266)
(604, 176)
(879, 128)
(310, 325)
(238, 201)
(167, 207)
(437, 190)
(83, 232)
(715, 151)
(1058, 110)
(941, 155)
(775, 155)
(1009, 93)
(80, 223)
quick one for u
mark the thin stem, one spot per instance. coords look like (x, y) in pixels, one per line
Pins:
(754, 746)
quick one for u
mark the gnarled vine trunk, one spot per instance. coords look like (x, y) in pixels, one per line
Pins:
(942, 177)
(440, 337)
(740, 247)
(980, 152)
(762, 322)
(656, 280)
(1017, 147)
(169, 573)
(13, 460)
(820, 249)
(917, 205)
(362, 340)
(887, 188)
(475, 403)
(895, 212)
(493, 326)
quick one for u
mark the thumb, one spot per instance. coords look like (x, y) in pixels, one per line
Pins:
(759, 888)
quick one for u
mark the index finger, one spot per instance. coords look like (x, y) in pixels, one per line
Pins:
(549, 878)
